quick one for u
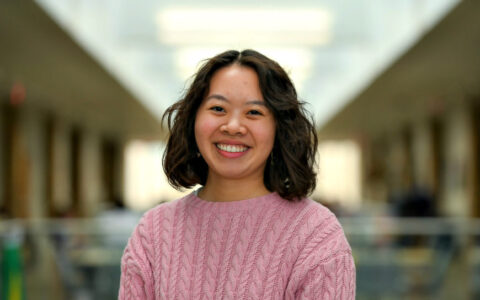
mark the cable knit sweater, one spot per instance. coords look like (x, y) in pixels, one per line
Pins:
(259, 248)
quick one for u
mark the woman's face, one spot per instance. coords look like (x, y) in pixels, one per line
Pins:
(234, 129)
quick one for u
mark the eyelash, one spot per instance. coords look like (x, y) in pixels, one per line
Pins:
(219, 109)
(255, 112)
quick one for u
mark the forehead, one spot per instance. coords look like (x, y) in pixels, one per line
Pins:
(235, 79)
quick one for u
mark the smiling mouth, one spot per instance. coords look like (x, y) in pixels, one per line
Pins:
(232, 148)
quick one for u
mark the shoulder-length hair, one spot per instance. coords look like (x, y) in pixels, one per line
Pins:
(290, 167)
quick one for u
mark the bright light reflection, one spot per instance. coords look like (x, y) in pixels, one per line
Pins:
(224, 26)
(145, 183)
(339, 173)
(297, 62)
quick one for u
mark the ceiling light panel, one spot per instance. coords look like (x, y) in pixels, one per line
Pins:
(230, 26)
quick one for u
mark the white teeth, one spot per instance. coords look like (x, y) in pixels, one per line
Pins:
(231, 148)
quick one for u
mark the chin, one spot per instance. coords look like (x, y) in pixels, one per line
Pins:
(231, 175)
(236, 174)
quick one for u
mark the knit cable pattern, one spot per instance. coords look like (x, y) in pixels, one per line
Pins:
(261, 248)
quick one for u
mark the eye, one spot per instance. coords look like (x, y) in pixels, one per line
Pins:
(217, 108)
(255, 112)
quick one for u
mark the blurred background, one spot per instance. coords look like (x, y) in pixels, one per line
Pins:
(394, 87)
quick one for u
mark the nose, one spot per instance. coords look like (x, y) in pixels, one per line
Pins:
(233, 126)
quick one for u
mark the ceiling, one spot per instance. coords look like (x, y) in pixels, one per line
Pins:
(62, 79)
(438, 73)
(332, 49)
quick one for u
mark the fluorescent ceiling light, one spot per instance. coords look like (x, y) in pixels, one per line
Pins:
(229, 26)
(297, 62)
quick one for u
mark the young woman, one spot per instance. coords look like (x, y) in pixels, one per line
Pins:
(248, 232)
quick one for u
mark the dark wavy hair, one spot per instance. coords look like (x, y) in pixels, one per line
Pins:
(290, 167)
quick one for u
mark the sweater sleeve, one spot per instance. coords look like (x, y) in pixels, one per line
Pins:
(325, 268)
(136, 280)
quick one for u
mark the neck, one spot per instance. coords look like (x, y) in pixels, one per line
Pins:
(227, 190)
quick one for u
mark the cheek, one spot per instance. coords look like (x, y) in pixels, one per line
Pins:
(266, 134)
(204, 127)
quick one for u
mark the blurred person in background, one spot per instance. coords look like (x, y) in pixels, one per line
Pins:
(416, 202)
(249, 231)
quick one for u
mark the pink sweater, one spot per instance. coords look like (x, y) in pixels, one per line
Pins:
(260, 248)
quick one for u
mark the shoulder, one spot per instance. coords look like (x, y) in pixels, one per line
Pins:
(319, 213)
(165, 210)
(154, 219)
(315, 218)
(321, 233)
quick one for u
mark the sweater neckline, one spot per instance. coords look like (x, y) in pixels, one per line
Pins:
(231, 206)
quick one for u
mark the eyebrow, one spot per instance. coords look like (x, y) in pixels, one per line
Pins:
(222, 98)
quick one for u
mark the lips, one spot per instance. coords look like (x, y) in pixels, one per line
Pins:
(231, 148)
